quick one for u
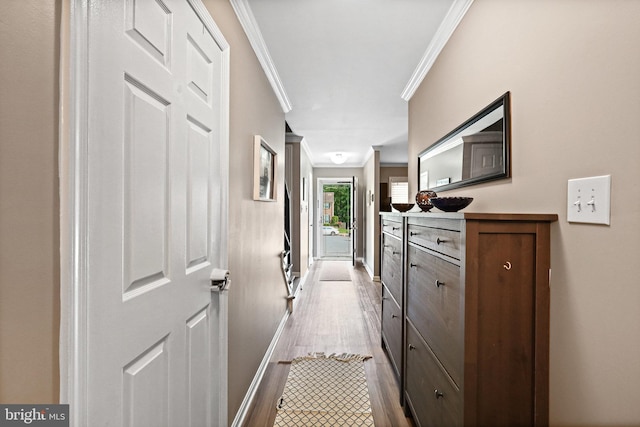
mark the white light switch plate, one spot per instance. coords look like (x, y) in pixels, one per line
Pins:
(589, 200)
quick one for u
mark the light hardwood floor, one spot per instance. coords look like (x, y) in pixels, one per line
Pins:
(333, 317)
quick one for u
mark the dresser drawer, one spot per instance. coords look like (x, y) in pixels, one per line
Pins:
(392, 329)
(441, 240)
(392, 226)
(434, 399)
(435, 305)
(391, 273)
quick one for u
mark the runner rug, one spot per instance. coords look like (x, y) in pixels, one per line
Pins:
(325, 391)
(335, 271)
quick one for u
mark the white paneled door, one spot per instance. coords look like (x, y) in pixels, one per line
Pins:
(156, 207)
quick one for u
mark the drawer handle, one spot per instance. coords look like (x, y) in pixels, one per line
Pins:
(394, 316)
(438, 394)
(413, 233)
(412, 265)
(439, 283)
(395, 228)
(395, 253)
(411, 347)
(439, 240)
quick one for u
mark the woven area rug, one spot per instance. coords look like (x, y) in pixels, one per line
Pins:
(335, 271)
(325, 391)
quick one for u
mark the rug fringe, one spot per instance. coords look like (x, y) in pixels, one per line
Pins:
(342, 357)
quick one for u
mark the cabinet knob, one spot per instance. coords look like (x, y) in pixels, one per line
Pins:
(411, 347)
(413, 233)
(507, 266)
(438, 394)
(395, 228)
(439, 240)
(412, 265)
(394, 316)
(395, 253)
(439, 283)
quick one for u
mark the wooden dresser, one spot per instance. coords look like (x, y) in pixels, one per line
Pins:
(392, 270)
(475, 303)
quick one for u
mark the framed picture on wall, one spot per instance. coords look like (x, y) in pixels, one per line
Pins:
(264, 171)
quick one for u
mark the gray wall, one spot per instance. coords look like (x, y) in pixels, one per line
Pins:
(572, 68)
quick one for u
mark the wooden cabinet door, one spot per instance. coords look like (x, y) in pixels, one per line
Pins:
(501, 342)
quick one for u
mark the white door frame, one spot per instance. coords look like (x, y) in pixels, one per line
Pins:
(74, 124)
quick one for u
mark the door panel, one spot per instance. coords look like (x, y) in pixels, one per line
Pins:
(146, 388)
(149, 24)
(198, 345)
(155, 214)
(146, 121)
(198, 190)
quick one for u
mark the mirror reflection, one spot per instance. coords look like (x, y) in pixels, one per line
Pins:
(476, 151)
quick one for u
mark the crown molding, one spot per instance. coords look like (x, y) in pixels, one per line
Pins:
(450, 22)
(250, 26)
(307, 150)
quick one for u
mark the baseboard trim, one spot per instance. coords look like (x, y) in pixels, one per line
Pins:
(368, 269)
(253, 388)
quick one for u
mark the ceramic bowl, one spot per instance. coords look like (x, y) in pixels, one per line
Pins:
(422, 199)
(402, 207)
(451, 204)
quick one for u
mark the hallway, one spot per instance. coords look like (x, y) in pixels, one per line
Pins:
(333, 317)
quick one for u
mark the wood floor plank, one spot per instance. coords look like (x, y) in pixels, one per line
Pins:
(333, 317)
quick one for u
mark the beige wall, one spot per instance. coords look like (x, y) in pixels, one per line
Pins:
(371, 256)
(29, 203)
(306, 209)
(388, 171)
(572, 68)
(29, 206)
(257, 298)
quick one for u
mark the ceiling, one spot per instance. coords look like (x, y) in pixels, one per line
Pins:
(344, 70)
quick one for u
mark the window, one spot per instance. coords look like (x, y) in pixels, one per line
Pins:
(399, 188)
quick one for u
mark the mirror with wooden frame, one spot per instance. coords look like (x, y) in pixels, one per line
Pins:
(476, 151)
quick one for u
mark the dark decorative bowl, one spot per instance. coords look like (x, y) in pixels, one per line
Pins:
(402, 207)
(422, 199)
(451, 204)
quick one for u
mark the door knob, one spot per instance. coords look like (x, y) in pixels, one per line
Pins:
(219, 279)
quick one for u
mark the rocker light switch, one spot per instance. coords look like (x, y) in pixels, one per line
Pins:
(589, 200)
